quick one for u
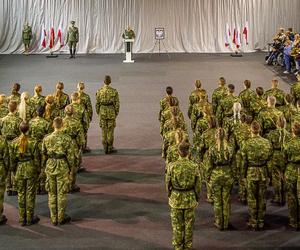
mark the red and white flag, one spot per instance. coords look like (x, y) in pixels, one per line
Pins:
(60, 36)
(44, 37)
(246, 32)
(227, 35)
(238, 38)
(234, 36)
(52, 38)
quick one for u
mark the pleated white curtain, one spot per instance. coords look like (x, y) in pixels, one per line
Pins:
(191, 25)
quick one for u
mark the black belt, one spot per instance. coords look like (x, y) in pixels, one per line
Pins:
(257, 166)
(25, 159)
(111, 104)
(57, 157)
(183, 190)
(10, 138)
(223, 165)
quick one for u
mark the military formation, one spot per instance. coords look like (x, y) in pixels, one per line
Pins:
(251, 140)
(42, 139)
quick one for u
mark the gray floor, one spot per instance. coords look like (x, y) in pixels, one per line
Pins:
(123, 204)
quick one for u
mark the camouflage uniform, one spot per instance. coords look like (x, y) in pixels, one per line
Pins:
(61, 103)
(166, 116)
(3, 111)
(164, 105)
(295, 92)
(169, 140)
(197, 112)
(73, 128)
(277, 164)
(246, 97)
(194, 96)
(4, 167)
(58, 160)
(168, 126)
(38, 129)
(15, 97)
(258, 104)
(10, 130)
(268, 118)
(256, 152)
(201, 126)
(81, 115)
(289, 111)
(38, 101)
(278, 94)
(225, 110)
(107, 107)
(51, 114)
(183, 184)
(220, 175)
(218, 95)
(292, 177)
(27, 168)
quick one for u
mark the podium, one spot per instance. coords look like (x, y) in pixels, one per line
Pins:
(128, 50)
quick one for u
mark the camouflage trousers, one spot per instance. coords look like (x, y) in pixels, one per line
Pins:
(10, 182)
(2, 191)
(221, 189)
(240, 170)
(278, 184)
(293, 196)
(108, 127)
(256, 200)
(203, 172)
(183, 225)
(26, 198)
(57, 186)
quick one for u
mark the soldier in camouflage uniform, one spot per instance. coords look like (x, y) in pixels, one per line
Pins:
(107, 107)
(219, 94)
(277, 164)
(39, 127)
(246, 97)
(26, 109)
(258, 103)
(256, 152)
(24, 160)
(73, 128)
(225, 111)
(268, 117)
(26, 37)
(50, 110)
(58, 162)
(9, 126)
(38, 100)
(164, 102)
(85, 100)
(295, 90)
(194, 96)
(4, 168)
(61, 99)
(72, 39)
(292, 176)
(288, 110)
(3, 106)
(202, 124)
(183, 183)
(220, 175)
(276, 92)
(15, 95)
(168, 125)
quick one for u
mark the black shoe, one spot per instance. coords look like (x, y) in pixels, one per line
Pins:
(3, 220)
(23, 223)
(54, 223)
(86, 150)
(33, 221)
(42, 192)
(9, 193)
(66, 220)
(14, 193)
(113, 151)
(81, 169)
(106, 150)
(75, 189)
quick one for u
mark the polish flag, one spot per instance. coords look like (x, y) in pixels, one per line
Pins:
(52, 38)
(43, 38)
(60, 36)
(245, 32)
(227, 35)
(234, 36)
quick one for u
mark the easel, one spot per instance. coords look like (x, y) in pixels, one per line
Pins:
(158, 41)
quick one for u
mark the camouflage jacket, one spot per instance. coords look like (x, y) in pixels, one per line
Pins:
(15, 98)
(183, 183)
(4, 160)
(3, 111)
(51, 114)
(295, 92)
(61, 103)
(240, 133)
(26, 165)
(217, 96)
(257, 105)
(58, 154)
(39, 128)
(167, 115)
(197, 112)
(207, 139)
(256, 152)
(193, 99)
(225, 107)
(164, 105)
(169, 140)
(268, 119)
(85, 100)
(107, 103)
(73, 128)
(278, 94)
(168, 126)
(9, 126)
(38, 100)
(81, 115)
(246, 97)
(291, 151)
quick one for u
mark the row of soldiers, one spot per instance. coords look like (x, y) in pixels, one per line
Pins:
(41, 144)
(251, 140)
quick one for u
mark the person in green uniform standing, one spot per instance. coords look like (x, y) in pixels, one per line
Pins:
(26, 37)
(72, 38)
(107, 107)
(183, 184)
(128, 34)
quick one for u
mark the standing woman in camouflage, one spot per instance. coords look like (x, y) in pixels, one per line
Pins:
(15, 95)
(26, 36)
(24, 160)
(38, 100)
(50, 110)
(107, 107)
(61, 99)
(85, 100)
(72, 39)
(220, 176)
(292, 176)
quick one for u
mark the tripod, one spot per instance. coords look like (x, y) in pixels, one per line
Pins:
(158, 43)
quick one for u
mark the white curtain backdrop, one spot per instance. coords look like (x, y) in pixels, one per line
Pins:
(191, 25)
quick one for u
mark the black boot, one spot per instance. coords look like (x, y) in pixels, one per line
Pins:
(3, 220)
(71, 54)
(66, 220)
(74, 50)
(35, 219)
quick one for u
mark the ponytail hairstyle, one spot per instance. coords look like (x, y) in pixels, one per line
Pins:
(48, 110)
(179, 136)
(237, 112)
(38, 90)
(58, 92)
(222, 144)
(15, 89)
(80, 88)
(23, 105)
(24, 127)
(198, 84)
(2, 99)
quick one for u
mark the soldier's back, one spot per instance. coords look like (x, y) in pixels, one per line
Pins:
(10, 126)
(38, 128)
